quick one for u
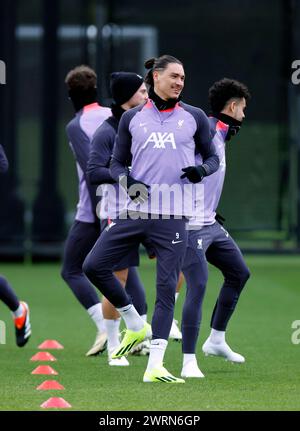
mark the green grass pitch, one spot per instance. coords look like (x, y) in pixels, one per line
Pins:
(260, 329)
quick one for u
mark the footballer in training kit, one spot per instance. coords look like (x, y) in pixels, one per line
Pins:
(161, 137)
(128, 90)
(211, 242)
(19, 309)
(81, 83)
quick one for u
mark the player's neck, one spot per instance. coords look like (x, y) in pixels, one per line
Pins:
(233, 124)
(81, 99)
(117, 111)
(160, 103)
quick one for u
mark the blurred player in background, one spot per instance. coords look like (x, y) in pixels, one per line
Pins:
(19, 309)
(211, 243)
(162, 137)
(128, 90)
(82, 89)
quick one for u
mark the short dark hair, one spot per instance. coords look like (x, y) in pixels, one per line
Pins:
(224, 90)
(160, 63)
(81, 78)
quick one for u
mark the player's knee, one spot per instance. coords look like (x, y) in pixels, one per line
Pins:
(201, 285)
(238, 279)
(88, 268)
(196, 285)
(64, 273)
(95, 270)
(244, 275)
(68, 274)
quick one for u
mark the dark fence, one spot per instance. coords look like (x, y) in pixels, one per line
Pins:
(252, 41)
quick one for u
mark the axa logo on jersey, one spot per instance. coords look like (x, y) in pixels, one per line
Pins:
(160, 140)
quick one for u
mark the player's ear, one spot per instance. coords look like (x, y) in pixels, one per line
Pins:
(232, 106)
(155, 75)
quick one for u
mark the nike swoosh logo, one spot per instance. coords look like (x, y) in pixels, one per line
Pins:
(175, 242)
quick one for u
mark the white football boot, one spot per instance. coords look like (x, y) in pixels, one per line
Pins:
(99, 344)
(191, 369)
(221, 349)
(117, 362)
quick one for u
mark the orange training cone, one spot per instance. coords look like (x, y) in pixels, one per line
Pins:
(49, 385)
(55, 403)
(50, 344)
(44, 369)
(43, 356)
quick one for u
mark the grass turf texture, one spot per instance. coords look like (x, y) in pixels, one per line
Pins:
(260, 330)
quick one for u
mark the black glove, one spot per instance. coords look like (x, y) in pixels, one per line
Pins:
(194, 174)
(137, 190)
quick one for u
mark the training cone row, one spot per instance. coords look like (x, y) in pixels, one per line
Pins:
(49, 385)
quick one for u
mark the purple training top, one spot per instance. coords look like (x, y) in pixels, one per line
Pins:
(213, 185)
(80, 131)
(113, 197)
(161, 143)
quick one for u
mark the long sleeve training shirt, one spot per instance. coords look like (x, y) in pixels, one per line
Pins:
(80, 131)
(213, 185)
(160, 144)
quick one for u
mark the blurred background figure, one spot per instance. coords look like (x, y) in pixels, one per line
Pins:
(19, 309)
(89, 115)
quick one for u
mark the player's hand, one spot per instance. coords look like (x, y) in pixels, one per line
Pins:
(137, 190)
(194, 174)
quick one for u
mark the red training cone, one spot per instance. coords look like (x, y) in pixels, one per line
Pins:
(43, 356)
(55, 403)
(50, 344)
(44, 369)
(48, 385)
